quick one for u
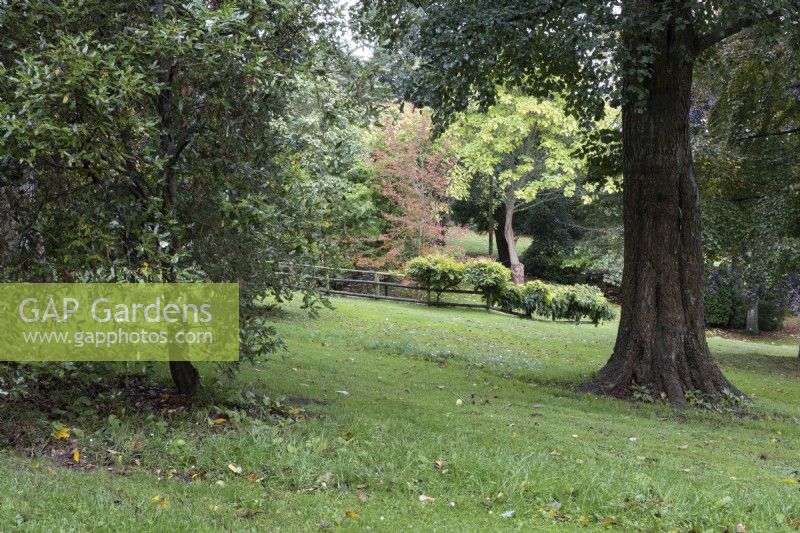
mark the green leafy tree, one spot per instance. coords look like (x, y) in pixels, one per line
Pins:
(747, 145)
(522, 150)
(642, 53)
(154, 141)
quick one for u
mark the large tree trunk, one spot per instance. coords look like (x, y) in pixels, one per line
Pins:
(500, 237)
(185, 376)
(517, 268)
(661, 341)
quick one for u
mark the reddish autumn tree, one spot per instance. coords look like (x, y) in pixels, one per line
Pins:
(412, 171)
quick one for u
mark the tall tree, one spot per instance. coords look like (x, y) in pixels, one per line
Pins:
(153, 141)
(522, 150)
(643, 52)
(412, 170)
(747, 143)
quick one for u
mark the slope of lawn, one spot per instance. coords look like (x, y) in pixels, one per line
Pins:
(395, 417)
(477, 244)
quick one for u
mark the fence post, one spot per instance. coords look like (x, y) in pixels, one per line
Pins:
(377, 278)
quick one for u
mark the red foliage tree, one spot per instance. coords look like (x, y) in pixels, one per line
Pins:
(412, 170)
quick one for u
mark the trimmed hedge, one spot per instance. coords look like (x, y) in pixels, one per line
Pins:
(488, 277)
(574, 302)
(437, 273)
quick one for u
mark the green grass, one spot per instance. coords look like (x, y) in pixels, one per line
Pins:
(477, 244)
(521, 440)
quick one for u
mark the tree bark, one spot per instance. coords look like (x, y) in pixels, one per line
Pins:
(517, 268)
(751, 325)
(185, 376)
(500, 237)
(661, 342)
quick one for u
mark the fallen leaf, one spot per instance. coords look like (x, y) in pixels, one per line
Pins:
(219, 421)
(65, 99)
(61, 433)
(459, 402)
(426, 499)
(683, 446)
(255, 478)
(235, 469)
(362, 496)
(343, 392)
(439, 464)
(633, 439)
(351, 514)
(507, 514)
(740, 528)
(790, 481)
(76, 455)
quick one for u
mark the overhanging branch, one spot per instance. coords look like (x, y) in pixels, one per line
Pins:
(745, 21)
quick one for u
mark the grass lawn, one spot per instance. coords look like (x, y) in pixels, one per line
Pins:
(477, 244)
(376, 404)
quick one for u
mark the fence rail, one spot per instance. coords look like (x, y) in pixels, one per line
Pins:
(372, 284)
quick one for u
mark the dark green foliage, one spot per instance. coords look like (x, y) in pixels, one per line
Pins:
(162, 141)
(488, 277)
(726, 301)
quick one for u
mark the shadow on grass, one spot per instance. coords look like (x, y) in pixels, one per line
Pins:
(760, 363)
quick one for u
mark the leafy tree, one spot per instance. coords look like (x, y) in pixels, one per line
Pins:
(413, 174)
(746, 112)
(642, 53)
(522, 150)
(152, 141)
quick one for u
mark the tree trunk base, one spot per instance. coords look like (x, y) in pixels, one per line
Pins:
(518, 273)
(666, 377)
(185, 376)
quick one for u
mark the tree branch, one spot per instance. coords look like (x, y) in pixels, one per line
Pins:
(767, 134)
(745, 21)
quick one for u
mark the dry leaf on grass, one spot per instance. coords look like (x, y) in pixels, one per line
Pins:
(61, 433)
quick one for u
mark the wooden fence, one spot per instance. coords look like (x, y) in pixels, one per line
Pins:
(381, 285)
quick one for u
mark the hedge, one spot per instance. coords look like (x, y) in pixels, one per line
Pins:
(437, 273)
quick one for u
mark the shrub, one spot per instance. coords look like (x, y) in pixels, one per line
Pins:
(536, 298)
(573, 302)
(773, 308)
(725, 305)
(510, 298)
(488, 277)
(435, 273)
